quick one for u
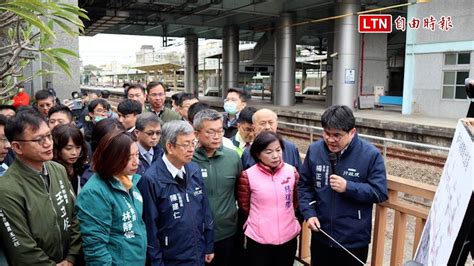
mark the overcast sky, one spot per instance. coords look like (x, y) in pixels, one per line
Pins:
(104, 48)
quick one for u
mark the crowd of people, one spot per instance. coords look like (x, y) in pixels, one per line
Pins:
(148, 184)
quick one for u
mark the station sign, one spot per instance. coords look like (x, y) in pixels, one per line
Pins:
(255, 69)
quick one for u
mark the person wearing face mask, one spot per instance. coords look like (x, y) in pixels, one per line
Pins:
(98, 110)
(234, 102)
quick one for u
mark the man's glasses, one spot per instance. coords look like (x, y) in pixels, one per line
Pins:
(335, 136)
(188, 146)
(213, 133)
(152, 133)
(40, 140)
(100, 111)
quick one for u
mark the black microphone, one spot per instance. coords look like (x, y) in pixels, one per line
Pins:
(333, 160)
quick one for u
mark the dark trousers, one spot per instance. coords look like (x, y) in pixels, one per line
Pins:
(271, 255)
(223, 252)
(240, 253)
(322, 255)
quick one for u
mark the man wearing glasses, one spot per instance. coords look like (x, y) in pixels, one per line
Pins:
(341, 178)
(220, 167)
(245, 133)
(156, 99)
(176, 209)
(98, 110)
(37, 216)
(148, 132)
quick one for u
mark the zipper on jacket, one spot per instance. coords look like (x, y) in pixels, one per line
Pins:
(166, 241)
(333, 194)
(56, 216)
(276, 209)
(194, 234)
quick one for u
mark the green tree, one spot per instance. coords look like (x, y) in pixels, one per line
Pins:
(30, 28)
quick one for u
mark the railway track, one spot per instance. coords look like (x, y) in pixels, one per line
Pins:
(392, 152)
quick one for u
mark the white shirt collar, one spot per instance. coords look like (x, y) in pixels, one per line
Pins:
(143, 151)
(239, 139)
(171, 168)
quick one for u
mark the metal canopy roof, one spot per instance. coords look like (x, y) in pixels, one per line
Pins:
(161, 67)
(206, 18)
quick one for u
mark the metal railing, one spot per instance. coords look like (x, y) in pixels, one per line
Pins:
(382, 140)
(402, 212)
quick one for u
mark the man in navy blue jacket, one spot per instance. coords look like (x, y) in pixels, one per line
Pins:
(148, 133)
(176, 209)
(266, 119)
(339, 201)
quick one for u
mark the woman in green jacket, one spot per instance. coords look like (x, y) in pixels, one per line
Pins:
(109, 207)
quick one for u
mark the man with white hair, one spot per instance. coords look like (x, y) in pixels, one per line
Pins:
(263, 120)
(176, 209)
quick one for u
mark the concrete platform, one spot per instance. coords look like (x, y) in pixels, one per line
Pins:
(383, 123)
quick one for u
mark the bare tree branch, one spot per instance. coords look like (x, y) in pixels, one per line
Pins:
(6, 53)
(24, 45)
(18, 37)
(6, 24)
(6, 16)
(7, 47)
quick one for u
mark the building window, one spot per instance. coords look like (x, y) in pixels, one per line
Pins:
(456, 70)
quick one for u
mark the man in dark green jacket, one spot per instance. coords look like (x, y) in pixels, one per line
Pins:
(220, 167)
(156, 99)
(38, 221)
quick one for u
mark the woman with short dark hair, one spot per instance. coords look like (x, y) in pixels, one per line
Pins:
(267, 194)
(109, 207)
(70, 150)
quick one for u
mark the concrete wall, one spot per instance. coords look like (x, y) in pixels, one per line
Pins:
(461, 12)
(375, 62)
(62, 84)
(429, 57)
(427, 93)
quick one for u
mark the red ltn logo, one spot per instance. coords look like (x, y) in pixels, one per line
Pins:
(375, 23)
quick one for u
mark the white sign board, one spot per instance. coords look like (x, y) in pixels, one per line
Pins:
(450, 202)
(349, 77)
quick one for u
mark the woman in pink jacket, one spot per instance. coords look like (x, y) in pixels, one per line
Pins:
(267, 194)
